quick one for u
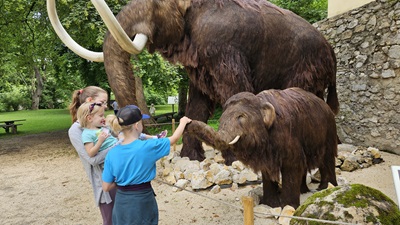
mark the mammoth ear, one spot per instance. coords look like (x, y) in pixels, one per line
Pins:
(268, 112)
(183, 5)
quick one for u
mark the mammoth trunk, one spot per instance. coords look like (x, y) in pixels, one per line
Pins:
(206, 134)
(119, 72)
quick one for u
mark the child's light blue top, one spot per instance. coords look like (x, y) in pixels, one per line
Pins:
(89, 135)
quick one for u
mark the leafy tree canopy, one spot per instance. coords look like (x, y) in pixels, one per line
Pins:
(311, 10)
(31, 53)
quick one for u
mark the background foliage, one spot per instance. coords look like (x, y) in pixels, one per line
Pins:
(311, 10)
(38, 71)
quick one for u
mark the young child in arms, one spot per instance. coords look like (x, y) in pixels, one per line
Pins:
(96, 136)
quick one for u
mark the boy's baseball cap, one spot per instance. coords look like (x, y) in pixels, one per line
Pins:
(130, 114)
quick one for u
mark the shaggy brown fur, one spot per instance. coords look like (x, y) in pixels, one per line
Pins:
(299, 135)
(227, 47)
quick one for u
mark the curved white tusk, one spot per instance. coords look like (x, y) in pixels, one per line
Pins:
(116, 30)
(234, 140)
(66, 39)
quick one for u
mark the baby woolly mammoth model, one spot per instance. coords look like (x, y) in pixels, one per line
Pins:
(227, 47)
(287, 132)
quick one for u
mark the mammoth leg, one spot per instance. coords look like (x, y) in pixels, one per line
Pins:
(304, 188)
(291, 184)
(270, 192)
(327, 168)
(199, 107)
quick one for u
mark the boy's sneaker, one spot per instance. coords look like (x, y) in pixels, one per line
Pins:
(162, 134)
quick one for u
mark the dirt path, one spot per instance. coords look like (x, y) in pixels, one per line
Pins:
(43, 182)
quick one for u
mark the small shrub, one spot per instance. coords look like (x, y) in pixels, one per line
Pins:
(12, 101)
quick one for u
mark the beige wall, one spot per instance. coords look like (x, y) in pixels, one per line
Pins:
(336, 7)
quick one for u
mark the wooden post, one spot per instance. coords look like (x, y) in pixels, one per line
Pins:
(248, 206)
(173, 131)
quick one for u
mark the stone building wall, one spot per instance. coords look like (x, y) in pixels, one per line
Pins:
(366, 41)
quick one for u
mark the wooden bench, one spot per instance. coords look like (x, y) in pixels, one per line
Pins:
(167, 116)
(10, 124)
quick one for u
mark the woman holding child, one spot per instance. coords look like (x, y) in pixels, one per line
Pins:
(89, 139)
(92, 164)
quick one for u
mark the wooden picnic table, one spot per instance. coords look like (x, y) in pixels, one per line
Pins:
(7, 124)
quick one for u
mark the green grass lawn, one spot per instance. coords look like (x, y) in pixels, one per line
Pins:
(37, 121)
(161, 109)
(48, 120)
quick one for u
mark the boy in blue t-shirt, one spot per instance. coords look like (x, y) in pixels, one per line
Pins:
(131, 166)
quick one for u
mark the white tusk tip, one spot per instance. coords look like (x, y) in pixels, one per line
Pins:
(234, 140)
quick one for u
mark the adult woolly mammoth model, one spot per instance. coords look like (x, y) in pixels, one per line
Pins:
(227, 47)
(287, 132)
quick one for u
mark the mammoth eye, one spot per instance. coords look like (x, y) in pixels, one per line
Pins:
(241, 117)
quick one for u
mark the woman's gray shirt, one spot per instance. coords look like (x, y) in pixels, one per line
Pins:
(90, 164)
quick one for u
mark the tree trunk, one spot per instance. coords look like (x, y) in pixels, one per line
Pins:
(183, 90)
(141, 101)
(183, 93)
(37, 89)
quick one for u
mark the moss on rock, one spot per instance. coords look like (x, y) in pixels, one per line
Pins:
(353, 203)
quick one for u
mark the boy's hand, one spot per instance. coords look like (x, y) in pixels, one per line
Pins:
(103, 136)
(185, 120)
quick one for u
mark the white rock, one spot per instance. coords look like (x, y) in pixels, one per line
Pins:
(374, 152)
(187, 165)
(215, 168)
(223, 177)
(209, 176)
(182, 184)
(170, 179)
(205, 165)
(238, 165)
(239, 178)
(234, 187)
(209, 154)
(249, 174)
(263, 209)
(216, 189)
(346, 148)
(166, 171)
(199, 181)
(178, 175)
(219, 159)
(286, 211)
(276, 211)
